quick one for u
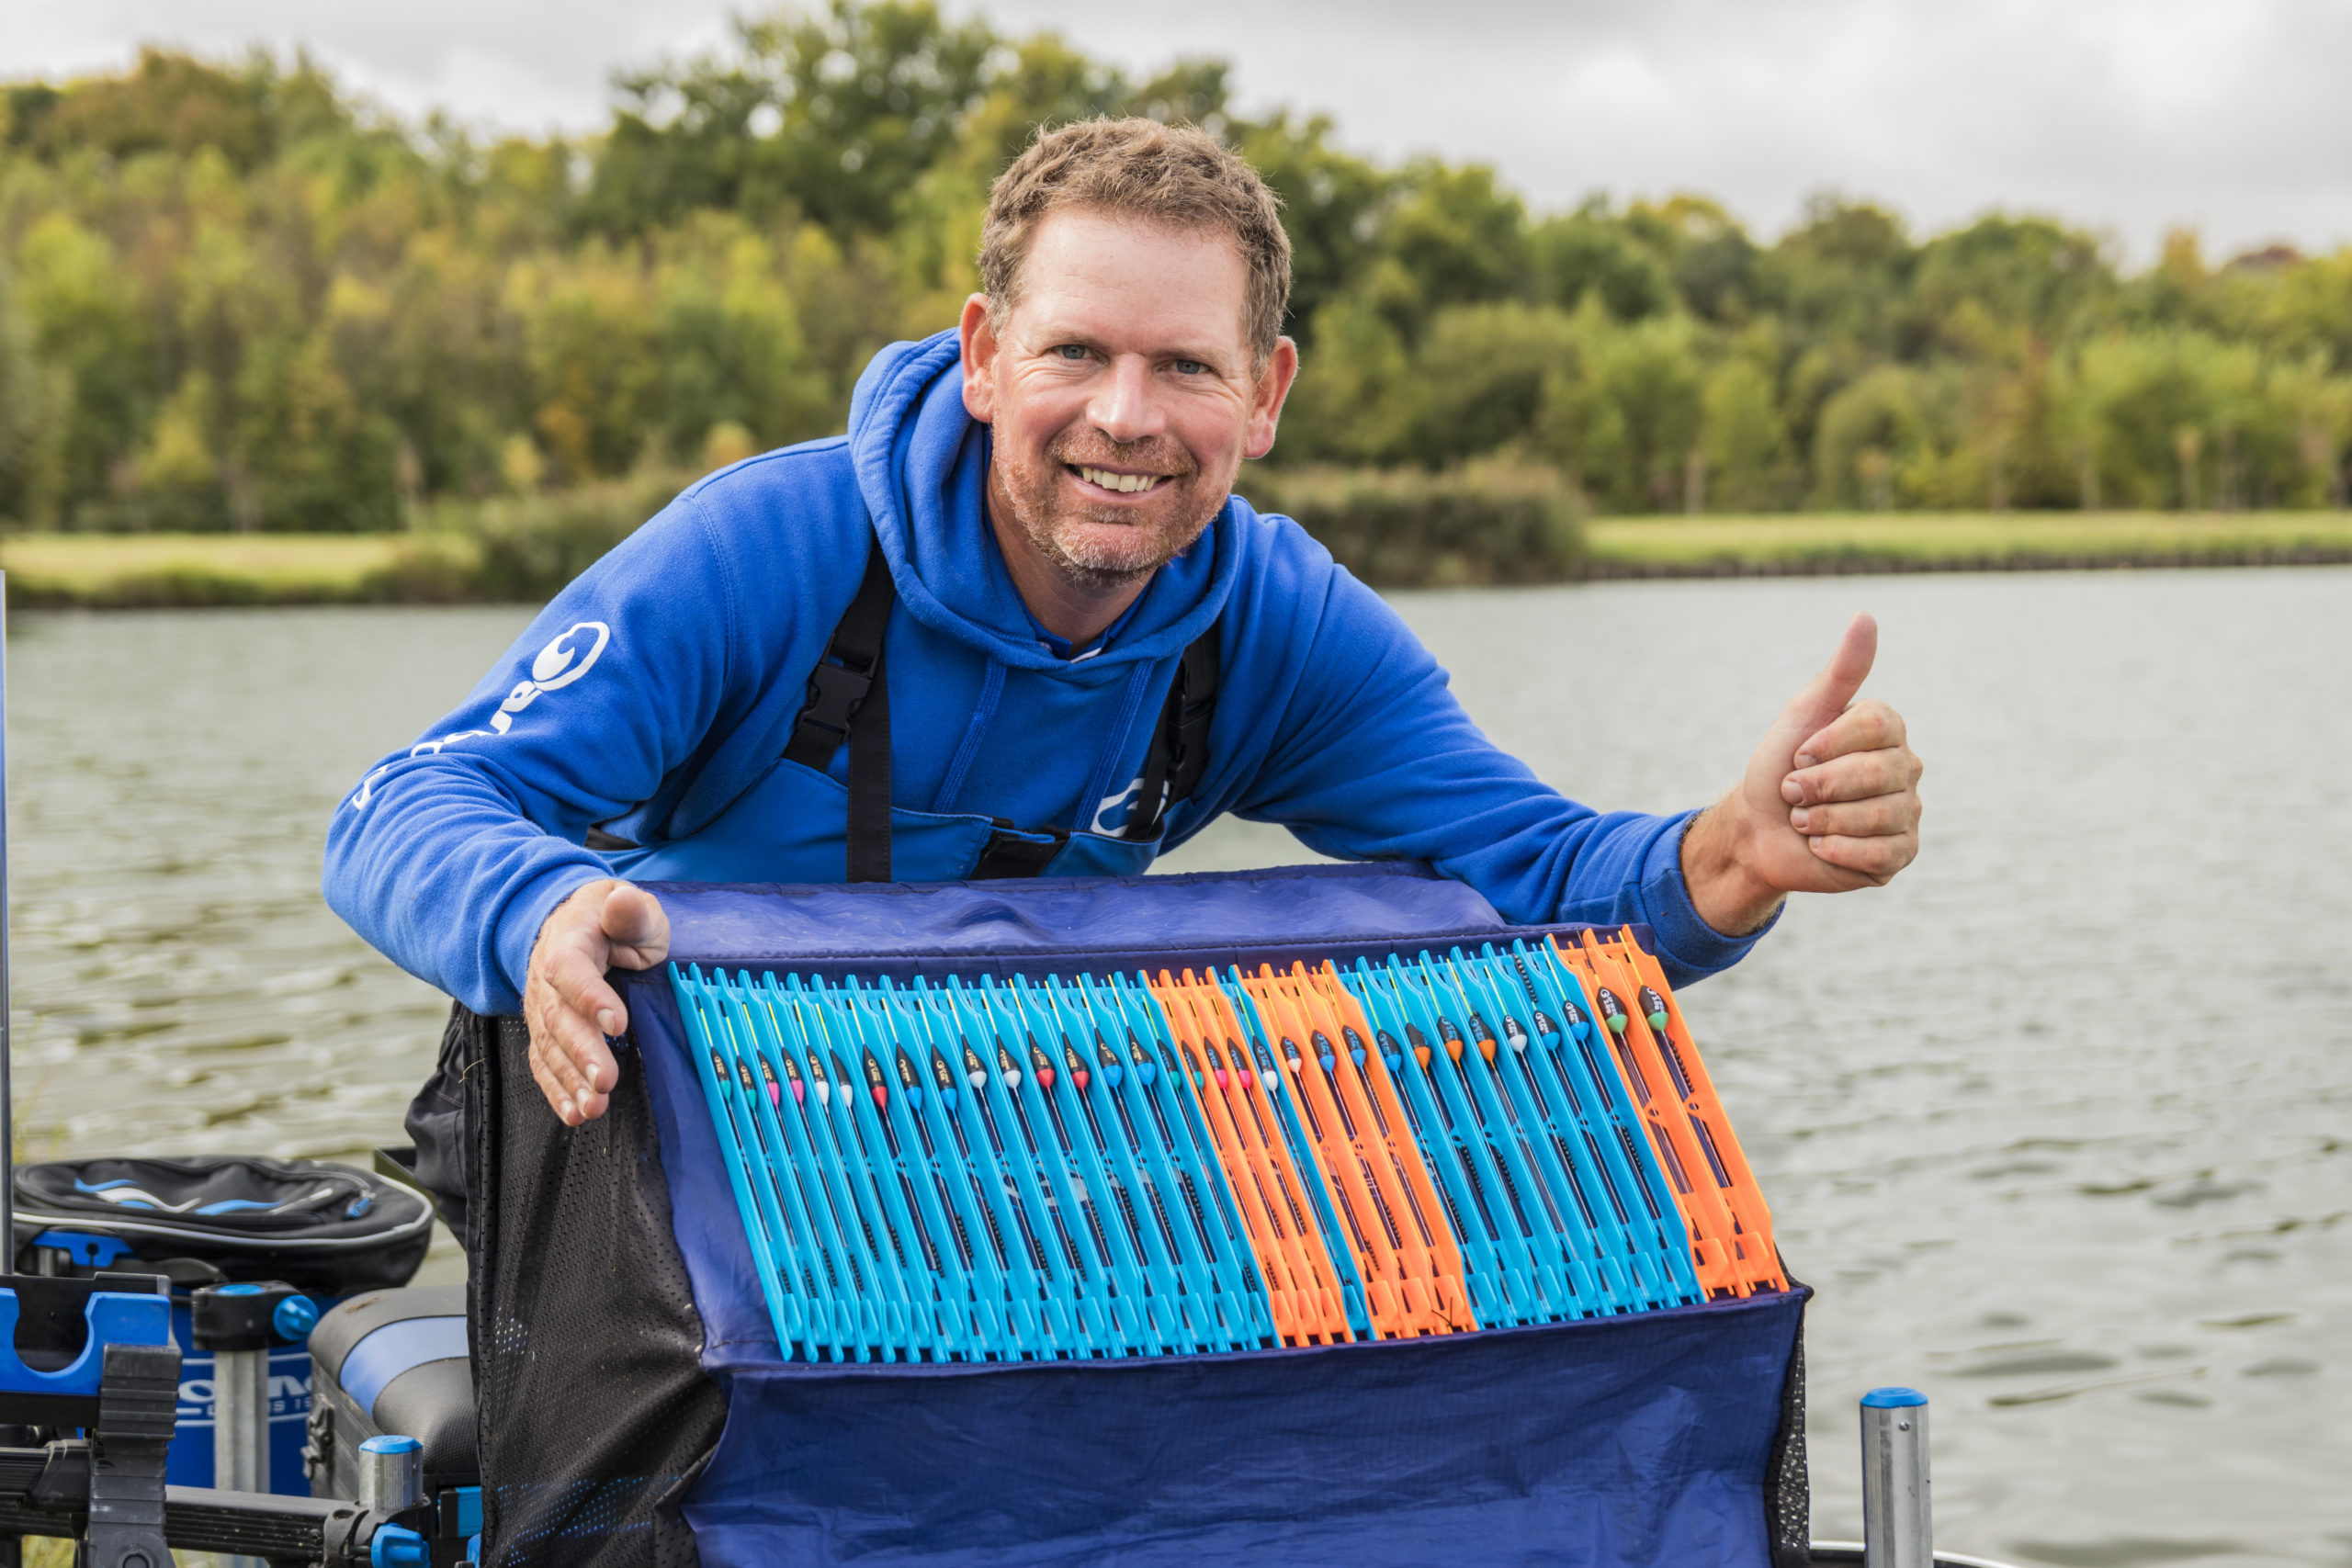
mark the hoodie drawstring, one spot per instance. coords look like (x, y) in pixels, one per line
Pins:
(1114, 744)
(983, 710)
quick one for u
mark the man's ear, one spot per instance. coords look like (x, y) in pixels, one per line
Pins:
(980, 349)
(1266, 400)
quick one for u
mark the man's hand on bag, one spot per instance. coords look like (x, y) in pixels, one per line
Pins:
(1830, 801)
(567, 1004)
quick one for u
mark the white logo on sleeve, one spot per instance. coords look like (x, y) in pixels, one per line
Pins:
(553, 670)
(558, 664)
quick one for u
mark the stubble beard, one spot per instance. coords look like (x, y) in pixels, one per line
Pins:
(1141, 543)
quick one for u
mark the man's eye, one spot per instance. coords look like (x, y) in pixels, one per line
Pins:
(1071, 351)
(1191, 367)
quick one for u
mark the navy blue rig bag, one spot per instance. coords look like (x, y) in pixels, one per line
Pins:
(636, 1408)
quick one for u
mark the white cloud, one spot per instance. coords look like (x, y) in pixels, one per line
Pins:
(2128, 115)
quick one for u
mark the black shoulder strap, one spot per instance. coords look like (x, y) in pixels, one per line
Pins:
(1179, 743)
(848, 684)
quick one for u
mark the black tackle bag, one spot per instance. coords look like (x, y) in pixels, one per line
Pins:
(204, 1219)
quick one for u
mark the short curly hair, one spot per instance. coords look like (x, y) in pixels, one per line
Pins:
(1171, 174)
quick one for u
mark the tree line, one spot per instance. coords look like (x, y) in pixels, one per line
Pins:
(233, 295)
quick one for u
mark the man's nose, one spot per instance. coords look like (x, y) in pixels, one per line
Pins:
(1123, 407)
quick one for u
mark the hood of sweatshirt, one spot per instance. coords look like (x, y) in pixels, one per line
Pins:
(921, 463)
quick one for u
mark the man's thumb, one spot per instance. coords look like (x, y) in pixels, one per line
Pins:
(1826, 696)
(633, 918)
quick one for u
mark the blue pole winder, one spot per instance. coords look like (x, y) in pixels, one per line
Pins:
(1304, 1215)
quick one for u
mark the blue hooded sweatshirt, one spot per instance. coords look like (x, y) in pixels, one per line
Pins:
(662, 684)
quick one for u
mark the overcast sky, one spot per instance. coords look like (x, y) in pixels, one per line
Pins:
(2132, 116)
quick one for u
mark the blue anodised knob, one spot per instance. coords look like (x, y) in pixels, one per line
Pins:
(394, 1546)
(294, 1319)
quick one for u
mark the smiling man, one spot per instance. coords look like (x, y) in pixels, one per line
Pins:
(1015, 623)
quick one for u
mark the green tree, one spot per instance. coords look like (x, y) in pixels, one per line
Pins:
(1590, 251)
(1353, 400)
(1622, 417)
(1871, 432)
(589, 327)
(837, 113)
(1457, 235)
(2029, 272)
(21, 406)
(1745, 447)
(232, 295)
(1842, 275)
(1332, 205)
(1477, 379)
(89, 333)
(2165, 415)
(2314, 404)
(728, 344)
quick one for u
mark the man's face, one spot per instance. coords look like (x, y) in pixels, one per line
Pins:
(1122, 394)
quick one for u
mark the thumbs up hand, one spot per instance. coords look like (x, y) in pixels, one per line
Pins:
(1830, 801)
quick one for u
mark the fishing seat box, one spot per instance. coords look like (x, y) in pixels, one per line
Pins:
(331, 1232)
(393, 1361)
(636, 1409)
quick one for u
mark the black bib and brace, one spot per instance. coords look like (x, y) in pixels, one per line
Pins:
(779, 829)
(849, 704)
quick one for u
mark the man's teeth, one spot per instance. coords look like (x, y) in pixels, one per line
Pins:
(1109, 481)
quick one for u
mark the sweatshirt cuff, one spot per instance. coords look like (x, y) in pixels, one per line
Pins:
(527, 912)
(1688, 947)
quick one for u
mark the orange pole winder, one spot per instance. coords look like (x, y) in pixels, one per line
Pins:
(1730, 1259)
(1361, 1062)
(1655, 1006)
(1413, 1282)
(1303, 1292)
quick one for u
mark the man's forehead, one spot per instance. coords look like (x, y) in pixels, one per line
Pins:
(1133, 277)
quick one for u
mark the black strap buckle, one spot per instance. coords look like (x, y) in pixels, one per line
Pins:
(835, 694)
(1178, 755)
(843, 680)
(1014, 852)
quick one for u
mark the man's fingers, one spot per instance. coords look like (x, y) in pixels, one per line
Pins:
(569, 1044)
(572, 1064)
(569, 1053)
(1876, 859)
(1826, 694)
(558, 1097)
(636, 928)
(579, 984)
(1857, 776)
(1874, 818)
(558, 1078)
(1869, 726)
(570, 1007)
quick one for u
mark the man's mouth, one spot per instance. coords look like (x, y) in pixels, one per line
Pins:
(1126, 484)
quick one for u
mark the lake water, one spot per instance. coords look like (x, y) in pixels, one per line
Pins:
(2060, 1126)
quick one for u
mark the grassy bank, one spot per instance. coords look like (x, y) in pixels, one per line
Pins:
(135, 571)
(526, 552)
(1701, 547)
